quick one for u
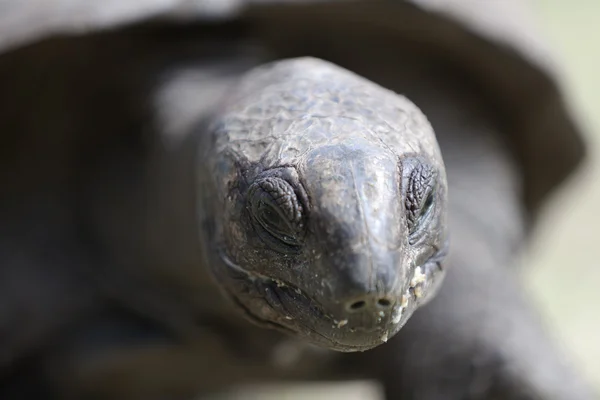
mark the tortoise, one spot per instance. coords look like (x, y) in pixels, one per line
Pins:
(203, 194)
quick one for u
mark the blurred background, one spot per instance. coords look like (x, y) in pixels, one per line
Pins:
(565, 275)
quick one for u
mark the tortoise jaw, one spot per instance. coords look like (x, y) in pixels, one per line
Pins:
(274, 304)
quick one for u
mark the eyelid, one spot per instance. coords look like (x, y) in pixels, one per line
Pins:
(420, 185)
(279, 194)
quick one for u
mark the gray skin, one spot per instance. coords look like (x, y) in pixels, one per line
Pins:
(324, 202)
(130, 200)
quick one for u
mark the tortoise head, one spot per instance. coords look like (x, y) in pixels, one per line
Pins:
(323, 204)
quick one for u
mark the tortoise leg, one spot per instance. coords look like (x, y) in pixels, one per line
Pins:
(478, 339)
(115, 355)
(43, 287)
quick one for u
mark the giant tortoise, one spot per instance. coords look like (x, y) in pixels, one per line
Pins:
(201, 194)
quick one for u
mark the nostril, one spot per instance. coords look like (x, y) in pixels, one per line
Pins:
(385, 303)
(374, 304)
(357, 305)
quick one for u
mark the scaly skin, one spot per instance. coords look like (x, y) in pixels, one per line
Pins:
(349, 168)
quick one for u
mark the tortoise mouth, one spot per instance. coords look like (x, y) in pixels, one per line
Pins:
(275, 304)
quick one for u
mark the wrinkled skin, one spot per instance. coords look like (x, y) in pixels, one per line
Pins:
(326, 201)
(133, 310)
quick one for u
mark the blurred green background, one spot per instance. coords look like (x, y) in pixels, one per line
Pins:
(565, 274)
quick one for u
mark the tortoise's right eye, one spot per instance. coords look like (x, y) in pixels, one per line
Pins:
(420, 197)
(276, 214)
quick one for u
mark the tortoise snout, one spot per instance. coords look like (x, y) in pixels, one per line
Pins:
(370, 312)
